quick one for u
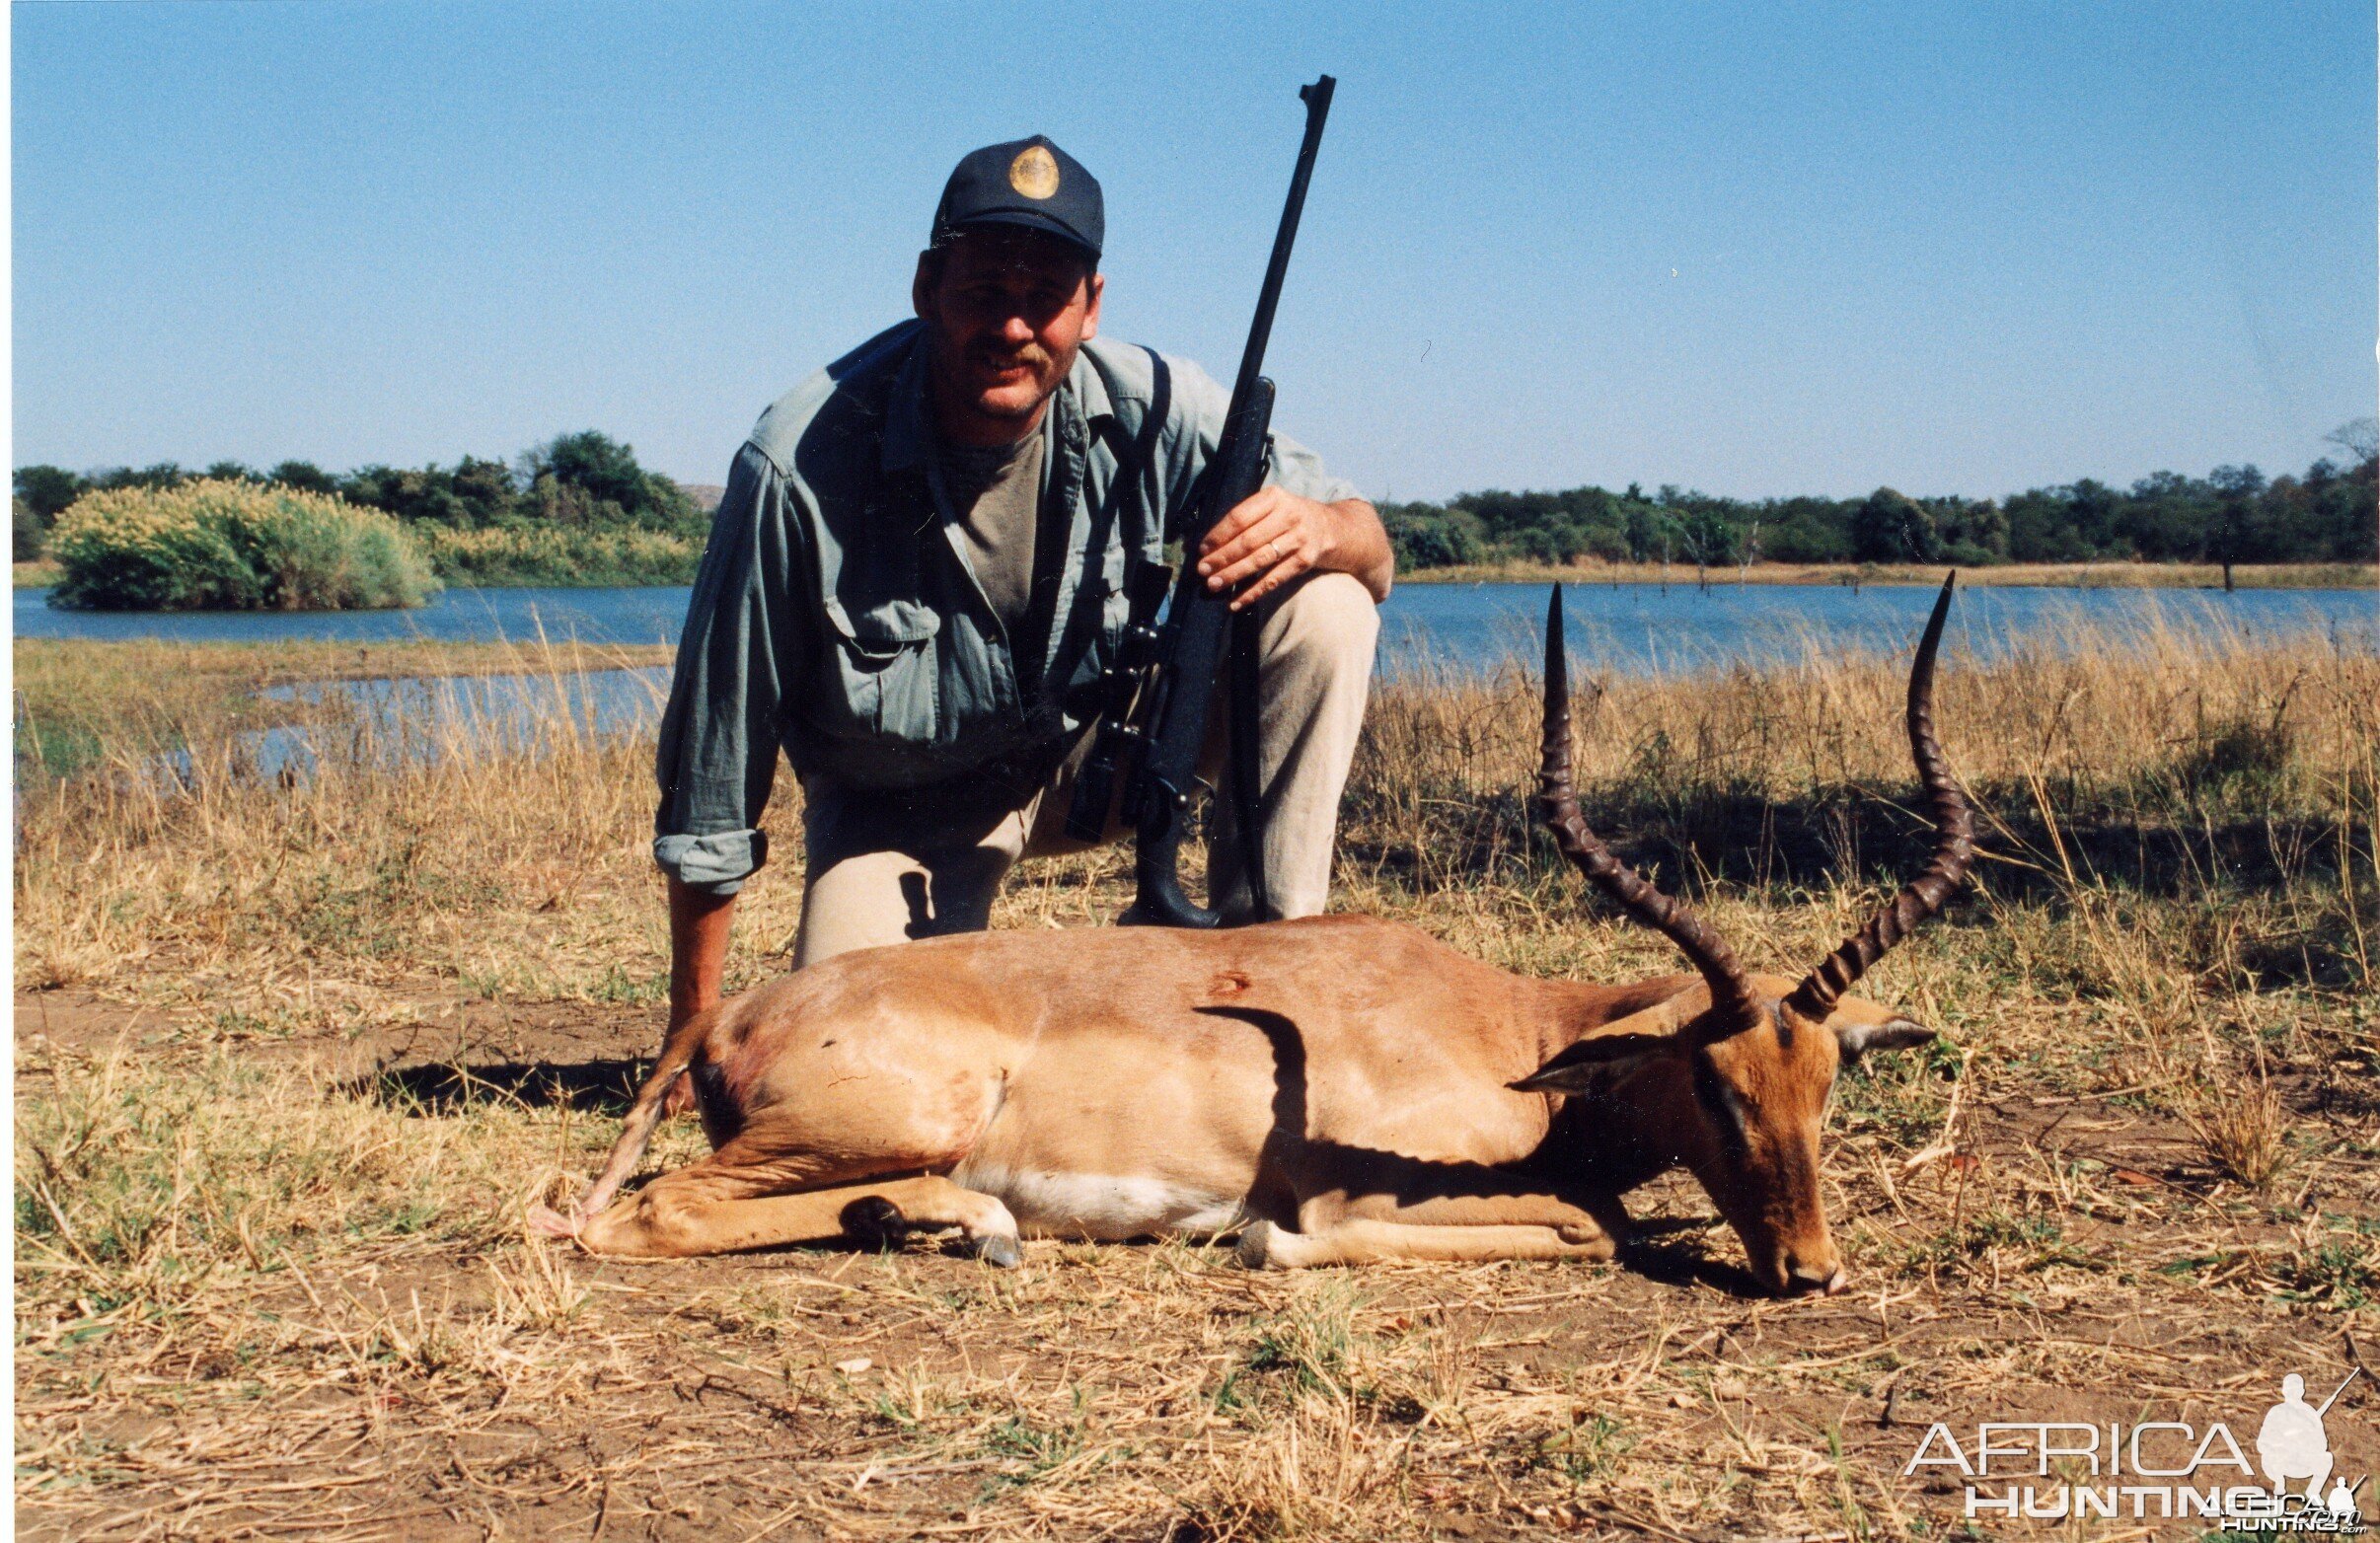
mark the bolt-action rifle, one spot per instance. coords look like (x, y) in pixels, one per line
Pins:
(1155, 693)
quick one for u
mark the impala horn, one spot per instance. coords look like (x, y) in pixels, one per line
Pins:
(1953, 844)
(1734, 1007)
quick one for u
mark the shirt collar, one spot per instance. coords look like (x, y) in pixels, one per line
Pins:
(907, 433)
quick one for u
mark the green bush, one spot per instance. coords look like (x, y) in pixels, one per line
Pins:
(230, 545)
(560, 556)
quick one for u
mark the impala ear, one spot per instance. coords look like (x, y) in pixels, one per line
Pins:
(1575, 1068)
(1857, 1039)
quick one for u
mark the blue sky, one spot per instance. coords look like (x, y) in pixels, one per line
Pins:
(1752, 249)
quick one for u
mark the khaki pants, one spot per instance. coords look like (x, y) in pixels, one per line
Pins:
(885, 871)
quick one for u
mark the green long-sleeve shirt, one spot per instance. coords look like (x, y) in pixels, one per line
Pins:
(835, 611)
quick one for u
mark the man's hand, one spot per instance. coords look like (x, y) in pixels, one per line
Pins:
(698, 924)
(1274, 536)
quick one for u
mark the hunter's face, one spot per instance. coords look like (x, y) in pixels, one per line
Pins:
(1006, 310)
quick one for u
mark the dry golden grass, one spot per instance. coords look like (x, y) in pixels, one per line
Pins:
(295, 1057)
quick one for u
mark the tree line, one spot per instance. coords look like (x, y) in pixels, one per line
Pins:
(582, 495)
(585, 484)
(2233, 515)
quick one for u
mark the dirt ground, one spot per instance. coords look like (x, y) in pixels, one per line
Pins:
(2069, 1258)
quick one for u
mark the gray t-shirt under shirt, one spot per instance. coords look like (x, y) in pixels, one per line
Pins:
(996, 491)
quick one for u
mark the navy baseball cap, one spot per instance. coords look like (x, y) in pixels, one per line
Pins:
(1029, 182)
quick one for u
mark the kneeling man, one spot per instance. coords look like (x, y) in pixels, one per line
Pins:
(916, 575)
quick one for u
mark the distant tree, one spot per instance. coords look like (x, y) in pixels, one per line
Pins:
(1974, 531)
(2231, 534)
(591, 478)
(2166, 516)
(1644, 528)
(304, 476)
(474, 496)
(230, 472)
(2359, 437)
(2095, 510)
(1891, 527)
(1427, 536)
(163, 474)
(1709, 537)
(2244, 481)
(47, 491)
(487, 488)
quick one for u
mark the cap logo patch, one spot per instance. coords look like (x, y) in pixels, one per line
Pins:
(1034, 171)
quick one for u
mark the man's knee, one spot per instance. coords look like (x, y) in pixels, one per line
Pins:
(1329, 621)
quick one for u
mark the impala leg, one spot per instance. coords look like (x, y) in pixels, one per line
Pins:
(1264, 1246)
(1380, 1207)
(1453, 1211)
(692, 1213)
(1574, 1221)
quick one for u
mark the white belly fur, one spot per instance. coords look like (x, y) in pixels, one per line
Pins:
(1104, 1206)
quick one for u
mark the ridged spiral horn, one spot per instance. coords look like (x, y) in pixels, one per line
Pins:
(1734, 1009)
(1953, 844)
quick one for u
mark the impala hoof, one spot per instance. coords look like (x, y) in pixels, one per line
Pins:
(1593, 1244)
(999, 1251)
(1256, 1246)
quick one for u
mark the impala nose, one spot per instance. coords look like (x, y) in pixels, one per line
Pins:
(1801, 1280)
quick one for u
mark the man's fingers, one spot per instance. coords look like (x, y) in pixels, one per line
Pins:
(1252, 511)
(1276, 526)
(1260, 548)
(1292, 565)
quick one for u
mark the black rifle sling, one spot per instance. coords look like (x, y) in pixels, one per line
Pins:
(1146, 532)
(1133, 500)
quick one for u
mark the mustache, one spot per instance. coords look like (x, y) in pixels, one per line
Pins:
(1004, 357)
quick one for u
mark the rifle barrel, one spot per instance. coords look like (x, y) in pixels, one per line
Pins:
(1317, 97)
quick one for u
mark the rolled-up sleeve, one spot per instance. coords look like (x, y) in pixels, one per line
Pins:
(1200, 405)
(740, 654)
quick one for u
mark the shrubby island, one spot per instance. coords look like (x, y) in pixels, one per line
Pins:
(218, 545)
(578, 510)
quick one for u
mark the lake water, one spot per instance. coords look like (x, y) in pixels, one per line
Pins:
(1631, 628)
(1626, 628)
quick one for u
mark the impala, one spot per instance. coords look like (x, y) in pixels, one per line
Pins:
(1338, 1089)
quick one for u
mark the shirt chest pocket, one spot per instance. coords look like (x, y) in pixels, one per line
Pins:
(882, 671)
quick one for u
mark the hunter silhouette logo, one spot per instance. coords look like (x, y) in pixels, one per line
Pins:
(2292, 1443)
(2157, 1469)
(1034, 171)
